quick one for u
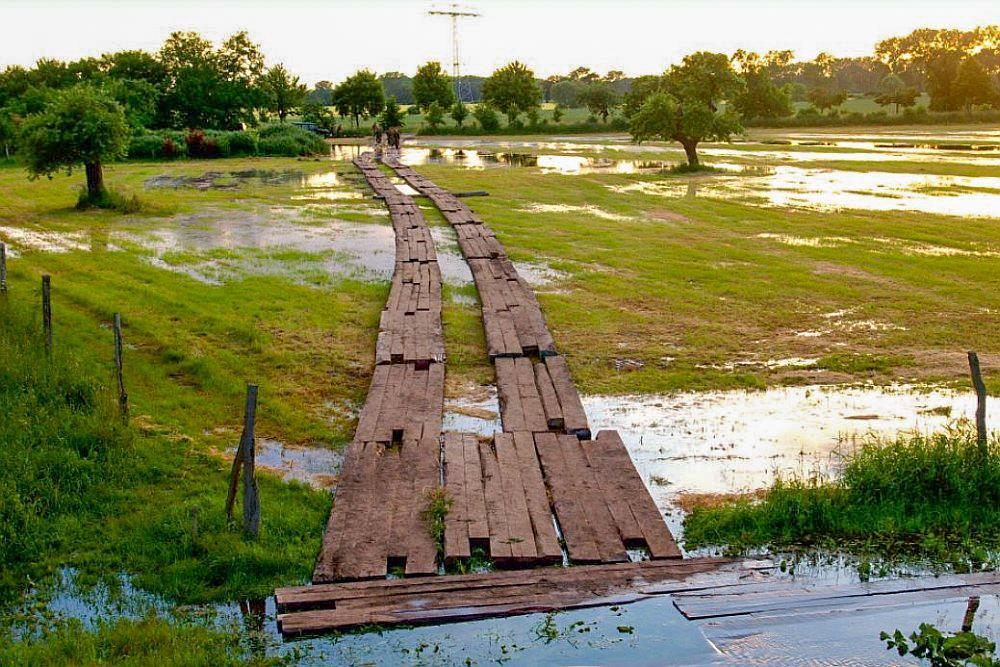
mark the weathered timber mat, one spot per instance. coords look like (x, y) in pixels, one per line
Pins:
(394, 461)
(312, 609)
(513, 497)
(601, 503)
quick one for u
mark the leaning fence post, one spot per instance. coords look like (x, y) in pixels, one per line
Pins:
(47, 311)
(244, 459)
(251, 501)
(122, 396)
(980, 387)
(3, 269)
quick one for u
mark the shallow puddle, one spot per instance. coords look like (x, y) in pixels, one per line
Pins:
(737, 441)
(315, 466)
(830, 190)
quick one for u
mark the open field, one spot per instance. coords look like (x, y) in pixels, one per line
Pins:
(822, 259)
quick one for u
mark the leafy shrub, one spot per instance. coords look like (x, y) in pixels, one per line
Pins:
(201, 146)
(169, 148)
(414, 110)
(487, 118)
(287, 140)
(110, 200)
(242, 143)
(145, 146)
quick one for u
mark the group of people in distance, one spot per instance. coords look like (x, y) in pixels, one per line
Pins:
(391, 136)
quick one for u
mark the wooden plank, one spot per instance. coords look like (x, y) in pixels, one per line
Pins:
(422, 458)
(511, 410)
(574, 417)
(456, 527)
(625, 490)
(546, 540)
(479, 532)
(520, 532)
(547, 394)
(496, 511)
(569, 506)
(531, 402)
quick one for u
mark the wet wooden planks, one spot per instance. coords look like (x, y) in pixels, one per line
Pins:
(394, 460)
(376, 519)
(499, 499)
(313, 609)
(601, 503)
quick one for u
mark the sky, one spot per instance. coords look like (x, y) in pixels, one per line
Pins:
(331, 39)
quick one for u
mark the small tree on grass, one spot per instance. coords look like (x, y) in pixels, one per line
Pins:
(434, 115)
(688, 107)
(80, 125)
(893, 90)
(557, 113)
(824, 98)
(599, 98)
(512, 90)
(459, 112)
(486, 116)
(392, 115)
(284, 92)
(359, 95)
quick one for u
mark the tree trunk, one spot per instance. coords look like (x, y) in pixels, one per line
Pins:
(691, 149)
(95, 179)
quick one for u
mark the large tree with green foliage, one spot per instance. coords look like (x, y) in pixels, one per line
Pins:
(565, 93)
(283, 91)
(359, 95)
(80, 125)
(826, 98)
(600, 98)
(512, 90)
(760, 97)
(687, 107)
(430, 85)
(973, 85)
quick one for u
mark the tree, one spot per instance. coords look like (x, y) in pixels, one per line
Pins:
(322, 93)
(486, 116)
(398, 85)
(284, 92)
(430, 85)
(688, 110)
(359, 95)
(760, 98)
(642, 88)
(564, 93)
(392, 115)
(599, 98)
(81, 124)
(459, 112)
(557, 113)
(434, 115)
(824, 98)
(512, 90)
(973, 85)
(893, 90)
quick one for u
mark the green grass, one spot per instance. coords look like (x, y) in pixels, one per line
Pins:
(150, 640)
(78, 489)
(929, 494)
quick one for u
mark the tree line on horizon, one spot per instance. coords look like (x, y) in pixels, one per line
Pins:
(58, 114)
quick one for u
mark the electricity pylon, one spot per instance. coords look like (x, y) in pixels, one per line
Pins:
(455, 11)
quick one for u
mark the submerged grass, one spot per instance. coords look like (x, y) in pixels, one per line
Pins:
(927, 494)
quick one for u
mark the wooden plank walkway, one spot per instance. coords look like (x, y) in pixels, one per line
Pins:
(515, 496)
(394, 460)
(312, 609)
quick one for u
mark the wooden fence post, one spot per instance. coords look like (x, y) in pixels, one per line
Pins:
(980, 387)
(244, 459)
(251, 500)
(47, 311)
(3, 269)
(122, 396)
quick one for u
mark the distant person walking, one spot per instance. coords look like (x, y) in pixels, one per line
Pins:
(377, 132)
(392, 137)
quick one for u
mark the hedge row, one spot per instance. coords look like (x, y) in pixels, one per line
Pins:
(276, 139)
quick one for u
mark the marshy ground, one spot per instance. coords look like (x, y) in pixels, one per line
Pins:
(735, 324)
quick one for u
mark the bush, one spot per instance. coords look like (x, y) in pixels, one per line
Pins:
(487, 118)
(201, 146)
(169, 149)
(282, 139)
(414, 110)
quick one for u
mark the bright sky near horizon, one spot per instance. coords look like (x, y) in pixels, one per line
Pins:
(331, 39)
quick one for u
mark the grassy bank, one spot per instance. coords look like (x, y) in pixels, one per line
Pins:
(930, 494)
(78, 489)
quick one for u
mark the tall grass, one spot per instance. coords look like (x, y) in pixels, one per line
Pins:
(63, 448)
(915, 490)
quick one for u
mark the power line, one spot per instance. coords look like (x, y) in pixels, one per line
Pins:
(455, 12)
